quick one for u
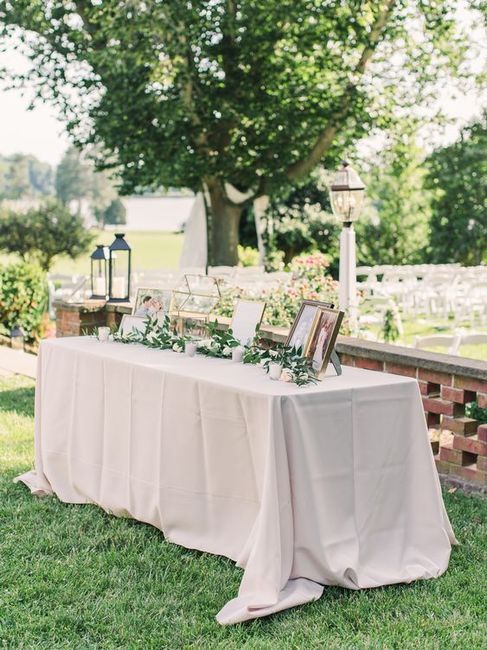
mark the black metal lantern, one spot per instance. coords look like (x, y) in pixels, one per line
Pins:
(347, 194)
(119, 269)
(99, 272)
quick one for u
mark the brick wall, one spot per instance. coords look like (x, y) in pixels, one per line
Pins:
(459, 443)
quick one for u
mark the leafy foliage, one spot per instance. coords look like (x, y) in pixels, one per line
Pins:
(302, 221)
(24, 176)
(458, 180)
(43, 233)
(115, 213)
(23, 298)
(394, 228)
(250, 95)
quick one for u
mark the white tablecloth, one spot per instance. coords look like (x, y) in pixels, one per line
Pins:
(331, 484)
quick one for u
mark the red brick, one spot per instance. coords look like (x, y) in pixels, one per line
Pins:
(347, 360)
(450, 455)
(369, 364)
(400, 369)
(457, 395)
(482, 432)
(442, 466)
(433, 405)
(482, 463)
(471, 473)
(477, 385)
(435, 377)
(423, 387)
(473, 445)
(482, 400)
(463, 426)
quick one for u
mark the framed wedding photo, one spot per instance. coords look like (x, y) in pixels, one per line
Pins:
(302, 328)
(247, 316)
(325, 331)
(153, 303)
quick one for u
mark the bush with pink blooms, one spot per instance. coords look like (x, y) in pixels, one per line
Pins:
(311, 281)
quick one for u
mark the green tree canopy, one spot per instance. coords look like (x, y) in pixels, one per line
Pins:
(24, 176)
(394, 227)
(115, 213)
(458, 180)
(239, 97)
(40, 234)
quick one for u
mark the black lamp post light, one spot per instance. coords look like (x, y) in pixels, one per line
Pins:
(347, 195)
(99, 272)
(119, 269)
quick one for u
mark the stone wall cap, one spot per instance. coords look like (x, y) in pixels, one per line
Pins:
(454, 365)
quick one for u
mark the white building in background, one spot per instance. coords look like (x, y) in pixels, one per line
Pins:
(166, 213)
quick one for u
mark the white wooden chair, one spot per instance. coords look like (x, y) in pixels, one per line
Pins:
(450, 342)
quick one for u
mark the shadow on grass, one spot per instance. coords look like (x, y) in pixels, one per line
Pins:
(19, 401)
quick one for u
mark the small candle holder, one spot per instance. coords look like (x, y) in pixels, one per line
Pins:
(237, 354)
(190, 348)
(275, 370)
(103, 334)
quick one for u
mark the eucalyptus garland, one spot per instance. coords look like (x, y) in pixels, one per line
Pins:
(220, 344)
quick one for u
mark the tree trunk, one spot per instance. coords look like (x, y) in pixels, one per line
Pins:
(223, 223)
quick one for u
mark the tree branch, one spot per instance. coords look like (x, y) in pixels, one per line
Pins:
(302, 167)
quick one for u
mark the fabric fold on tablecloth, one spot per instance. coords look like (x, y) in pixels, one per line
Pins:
(331, 484)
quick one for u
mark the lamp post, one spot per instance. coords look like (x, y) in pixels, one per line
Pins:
(347, 193)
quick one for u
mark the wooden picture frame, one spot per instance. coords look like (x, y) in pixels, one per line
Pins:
(322, 340)
(247, 317)
(302, 327)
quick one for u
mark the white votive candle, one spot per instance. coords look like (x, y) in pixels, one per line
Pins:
(190, 348)
(237, 354)
(118, 287)
(275, 370)
(103, 334)
(100, 287)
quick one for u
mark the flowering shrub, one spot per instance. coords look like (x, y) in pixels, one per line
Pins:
(23, 299)
(310, 282)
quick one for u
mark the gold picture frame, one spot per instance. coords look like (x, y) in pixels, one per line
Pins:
(302, 327)
(323, 338)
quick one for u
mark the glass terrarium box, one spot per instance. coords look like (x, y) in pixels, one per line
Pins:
(193, 301)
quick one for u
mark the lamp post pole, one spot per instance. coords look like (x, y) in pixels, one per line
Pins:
(347, 194)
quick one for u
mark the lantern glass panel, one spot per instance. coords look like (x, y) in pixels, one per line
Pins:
(99, 272)
(119, 269)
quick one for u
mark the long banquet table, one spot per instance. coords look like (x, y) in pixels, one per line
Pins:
(332, 484)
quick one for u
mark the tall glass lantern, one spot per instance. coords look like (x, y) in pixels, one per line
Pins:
(119, 269)
(99, 272)
(347, 193)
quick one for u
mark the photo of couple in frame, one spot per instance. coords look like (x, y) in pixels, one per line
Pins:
(314, 332)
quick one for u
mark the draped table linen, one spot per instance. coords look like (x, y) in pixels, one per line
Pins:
(332, 484)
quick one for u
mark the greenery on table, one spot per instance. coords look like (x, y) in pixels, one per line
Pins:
(219, 344)
(249, 94)
(74, 577)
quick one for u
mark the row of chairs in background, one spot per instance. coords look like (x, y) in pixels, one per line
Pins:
(430, 290)
(450, 344)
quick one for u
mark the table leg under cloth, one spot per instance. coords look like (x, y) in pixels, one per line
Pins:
(328, 485)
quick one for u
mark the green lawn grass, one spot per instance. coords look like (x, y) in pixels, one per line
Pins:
(74, 577)
(150, 250)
